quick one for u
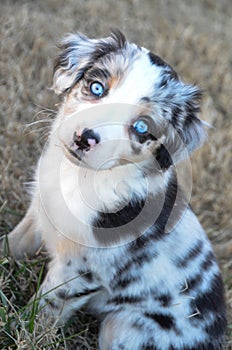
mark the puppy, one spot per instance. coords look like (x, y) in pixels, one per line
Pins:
(108, 206)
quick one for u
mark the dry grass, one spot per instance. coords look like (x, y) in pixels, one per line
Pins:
(195, 37)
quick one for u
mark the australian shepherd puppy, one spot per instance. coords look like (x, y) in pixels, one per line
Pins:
(108, 205)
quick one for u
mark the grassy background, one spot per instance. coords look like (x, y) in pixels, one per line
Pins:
(194, 37)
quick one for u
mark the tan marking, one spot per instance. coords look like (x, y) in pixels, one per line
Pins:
(66, 246)
(113, 82)
(71, 104)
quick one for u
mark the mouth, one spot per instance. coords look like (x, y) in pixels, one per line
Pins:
(78, 154)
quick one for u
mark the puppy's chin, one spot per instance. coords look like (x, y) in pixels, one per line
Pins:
(93, 161)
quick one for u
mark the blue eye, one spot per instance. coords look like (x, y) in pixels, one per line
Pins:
(97, 89)
(141, 127)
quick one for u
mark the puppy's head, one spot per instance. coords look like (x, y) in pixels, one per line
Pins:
(123, 104)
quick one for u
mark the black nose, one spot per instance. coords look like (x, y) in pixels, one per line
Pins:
(87, 139)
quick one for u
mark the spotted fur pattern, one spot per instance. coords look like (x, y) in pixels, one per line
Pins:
(108, 206)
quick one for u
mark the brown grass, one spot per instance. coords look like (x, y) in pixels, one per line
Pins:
(193, 36)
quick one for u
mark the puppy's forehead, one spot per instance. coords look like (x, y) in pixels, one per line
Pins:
(138, 79)
(133, 73)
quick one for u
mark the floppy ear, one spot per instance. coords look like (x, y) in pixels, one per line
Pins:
(78, 53)
(185, 132)
(185, 119)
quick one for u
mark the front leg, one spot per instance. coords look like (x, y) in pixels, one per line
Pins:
(65, 290)
(25, 239)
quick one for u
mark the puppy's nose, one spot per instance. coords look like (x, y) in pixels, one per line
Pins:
(87, 140)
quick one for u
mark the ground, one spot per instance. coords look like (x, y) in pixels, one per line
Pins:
(195, 38)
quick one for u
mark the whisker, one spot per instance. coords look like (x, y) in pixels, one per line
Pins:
(43, 108)
(35, 125)
(28, 125)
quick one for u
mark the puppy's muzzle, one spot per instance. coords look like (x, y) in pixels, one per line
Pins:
(87, 140)
(83, 143)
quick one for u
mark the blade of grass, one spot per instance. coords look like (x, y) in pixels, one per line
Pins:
(35, 303)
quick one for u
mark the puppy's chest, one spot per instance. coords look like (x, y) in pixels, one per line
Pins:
(87, 192)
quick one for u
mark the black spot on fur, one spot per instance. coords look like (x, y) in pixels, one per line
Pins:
(121, 347)
(137, 261)
(136, 257)
(191, 255)
(168, 208)
(176, 113)
(163, 158)
(145, 99)
(217, 327)
(139, 244)
(148, 347)
(166, 322)
(164, 82)
(123, 282)
(86, 275)
(167, 76)
(96, 74)
(164, 300)
(128, 299)
(213, 299)
(119, 218)
(69, 263)
(157, 230)
(104, 223)
(208, 262)
(85, 292)
(64, 293)
(158, 61)
(192, 283)
(200, 346)
(105, 47)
